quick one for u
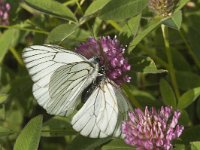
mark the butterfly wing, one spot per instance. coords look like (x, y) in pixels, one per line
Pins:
(66, 84)
(102, 114)
(42, 61)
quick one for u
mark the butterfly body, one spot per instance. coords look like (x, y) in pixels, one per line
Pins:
(60, 77)
(90, 88)
(88, 91)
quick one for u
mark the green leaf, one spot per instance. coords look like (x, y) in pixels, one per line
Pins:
(191, 32)
(68, 37)
(191, 134)
(122, 9)
(174, 21)
(198, 108)
(95, 6)
(61, 32)
(129, 92)
(150, 27)
(97, 26)
(142, 95)
(52, 7)
(75, 38)
(144, 98)
(187, 80)
(2, 112)
(14, 117)
(179, 147)
(117, 144)
(132, 26)
(29, 137)
(7, 41)
(5, 131)
(84, 143)
(188, 97)
(144, 64)
(57, 126)
(184, 118)
(168, 96)
(179, 60)
(195, 145)
(3, 98)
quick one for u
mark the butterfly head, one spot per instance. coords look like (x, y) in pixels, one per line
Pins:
(96, 59)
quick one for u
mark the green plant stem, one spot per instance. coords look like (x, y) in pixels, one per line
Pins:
(24, 29)
(170, 60)
(16, 55)
(196, 60)
(82, 13)
(79, 7)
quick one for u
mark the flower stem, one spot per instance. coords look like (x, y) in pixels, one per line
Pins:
(170, 60)
(82, 13)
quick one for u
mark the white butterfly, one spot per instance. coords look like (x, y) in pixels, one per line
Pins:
(61, 78)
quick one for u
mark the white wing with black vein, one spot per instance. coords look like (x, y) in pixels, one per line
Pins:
(41, 62)
(66, 84)
(103, 112)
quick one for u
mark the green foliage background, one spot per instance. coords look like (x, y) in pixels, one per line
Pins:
(165, 69)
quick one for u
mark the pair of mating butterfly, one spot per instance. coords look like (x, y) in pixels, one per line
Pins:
(63, 78)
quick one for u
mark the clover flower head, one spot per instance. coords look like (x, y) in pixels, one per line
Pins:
(152, 130)
(4, 13)
(162, 7)
(111, 55)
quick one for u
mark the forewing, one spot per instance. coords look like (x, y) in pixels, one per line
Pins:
(99, 116)
(41, 62)
(66, 84)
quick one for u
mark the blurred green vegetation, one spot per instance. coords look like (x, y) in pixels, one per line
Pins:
(165, 71)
